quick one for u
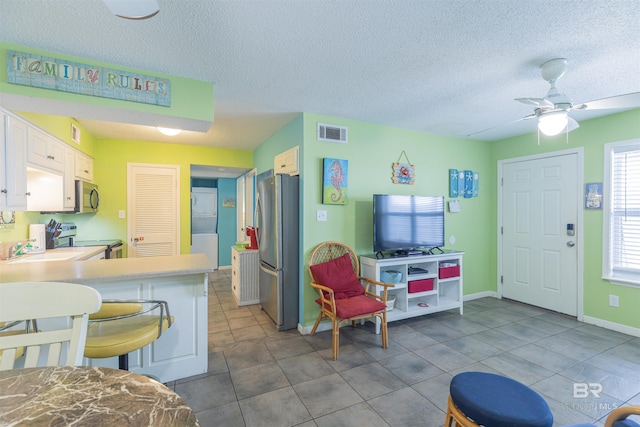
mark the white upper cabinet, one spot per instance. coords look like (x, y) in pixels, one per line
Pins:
(287, 162)
(13, 150)
(44, 150)
(84, 167)
(69, 192)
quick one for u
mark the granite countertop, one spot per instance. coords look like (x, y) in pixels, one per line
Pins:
(102, 271)
(81, 395)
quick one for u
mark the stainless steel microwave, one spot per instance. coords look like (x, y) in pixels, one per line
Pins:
(87, 197)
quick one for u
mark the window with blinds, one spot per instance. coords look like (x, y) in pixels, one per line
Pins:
(621, 240)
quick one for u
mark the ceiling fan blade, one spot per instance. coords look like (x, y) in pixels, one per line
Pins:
(572, 124)
(536, 102)
(629, 100)
(530, 116)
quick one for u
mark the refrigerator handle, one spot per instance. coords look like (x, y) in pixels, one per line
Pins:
(258, 217)
(269, 271)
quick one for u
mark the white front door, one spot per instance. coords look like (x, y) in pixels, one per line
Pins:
(153, 202)
(540, 202)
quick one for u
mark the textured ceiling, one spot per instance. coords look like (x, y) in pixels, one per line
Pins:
(447, 67)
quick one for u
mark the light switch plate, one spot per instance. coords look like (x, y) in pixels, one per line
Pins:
(321, 216)
(121, 214)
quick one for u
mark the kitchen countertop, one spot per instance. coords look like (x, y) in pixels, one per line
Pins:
(104, 271)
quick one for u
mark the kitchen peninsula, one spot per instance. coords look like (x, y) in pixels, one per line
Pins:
(180, 280)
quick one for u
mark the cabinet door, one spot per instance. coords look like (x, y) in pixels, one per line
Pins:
(84, 167)
(44, 150)
(69, 192)
(16, 166)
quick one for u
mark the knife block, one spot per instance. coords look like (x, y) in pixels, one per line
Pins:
(50, 239)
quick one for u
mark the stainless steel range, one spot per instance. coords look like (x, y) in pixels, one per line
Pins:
(67, 238)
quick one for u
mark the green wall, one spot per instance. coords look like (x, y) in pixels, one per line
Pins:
(285, 138)
(592, 135)
(111, 176)
(370, 151)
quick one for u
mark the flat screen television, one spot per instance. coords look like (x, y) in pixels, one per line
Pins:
(407, 225)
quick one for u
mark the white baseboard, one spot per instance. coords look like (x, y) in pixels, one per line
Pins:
(629, 330)
(471, 297)
(306, 330)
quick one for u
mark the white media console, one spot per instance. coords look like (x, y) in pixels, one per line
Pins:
(429, 283)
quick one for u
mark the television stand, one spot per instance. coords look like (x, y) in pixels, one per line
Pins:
(430, 283)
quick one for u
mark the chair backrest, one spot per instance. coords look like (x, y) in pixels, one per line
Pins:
(44, 300)
(328, 251)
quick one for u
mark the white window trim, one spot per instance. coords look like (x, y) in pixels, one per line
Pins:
(607, 271)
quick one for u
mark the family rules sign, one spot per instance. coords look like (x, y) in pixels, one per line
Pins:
(67, 76)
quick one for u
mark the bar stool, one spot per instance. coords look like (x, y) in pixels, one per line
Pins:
(123, 326)
(8, 329)
(480, 398)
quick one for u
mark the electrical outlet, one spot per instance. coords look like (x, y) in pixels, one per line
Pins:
(614, 301)
(321, 216)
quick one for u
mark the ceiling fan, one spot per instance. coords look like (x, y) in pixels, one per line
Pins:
(552, 110)
(133, 9)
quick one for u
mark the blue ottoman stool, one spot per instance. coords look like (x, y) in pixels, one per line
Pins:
(480, 398)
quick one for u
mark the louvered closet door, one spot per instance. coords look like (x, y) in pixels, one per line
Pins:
(154, 209)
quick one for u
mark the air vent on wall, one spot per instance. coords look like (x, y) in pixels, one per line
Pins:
(332, 133)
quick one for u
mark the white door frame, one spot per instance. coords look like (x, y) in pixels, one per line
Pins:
(579, 151)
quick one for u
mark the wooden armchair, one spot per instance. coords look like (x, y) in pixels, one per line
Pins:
(344, 295)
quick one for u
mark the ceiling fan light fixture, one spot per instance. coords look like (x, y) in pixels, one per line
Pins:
(133, 9)
(552, 124)
(169, 131)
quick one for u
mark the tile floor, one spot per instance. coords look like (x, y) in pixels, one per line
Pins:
(260, 377)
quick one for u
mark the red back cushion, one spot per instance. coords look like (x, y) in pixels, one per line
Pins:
(338, 275)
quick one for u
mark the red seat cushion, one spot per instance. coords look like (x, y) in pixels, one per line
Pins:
(361, 304)
(338, 275)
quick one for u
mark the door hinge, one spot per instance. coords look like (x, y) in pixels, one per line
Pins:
(501, 280)
(501, 181)
(501, 230)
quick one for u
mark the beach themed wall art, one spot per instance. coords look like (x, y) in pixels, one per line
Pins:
(334, 181)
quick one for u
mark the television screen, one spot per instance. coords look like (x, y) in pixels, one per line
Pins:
(405, 223)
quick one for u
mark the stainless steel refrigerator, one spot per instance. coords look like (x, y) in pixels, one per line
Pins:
(277, 215)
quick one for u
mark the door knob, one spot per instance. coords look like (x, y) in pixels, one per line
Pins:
(570, 244)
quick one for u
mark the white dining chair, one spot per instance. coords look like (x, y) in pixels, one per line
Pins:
(46, 300)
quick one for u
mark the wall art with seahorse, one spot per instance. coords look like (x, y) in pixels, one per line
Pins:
(334, 182)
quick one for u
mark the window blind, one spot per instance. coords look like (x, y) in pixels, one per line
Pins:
(624, 213)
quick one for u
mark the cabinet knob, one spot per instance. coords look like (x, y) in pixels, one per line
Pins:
(51, 157)
(28, 193)
(4, 190)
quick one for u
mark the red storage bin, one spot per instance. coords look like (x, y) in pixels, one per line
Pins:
(420, 285)
(446, 272)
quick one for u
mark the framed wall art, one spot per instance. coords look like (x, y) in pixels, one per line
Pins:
(334, 181)
(593, 196)
(403, 173)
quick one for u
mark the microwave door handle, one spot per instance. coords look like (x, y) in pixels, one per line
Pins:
(94, 191)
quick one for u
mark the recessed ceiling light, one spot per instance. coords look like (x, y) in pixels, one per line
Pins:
(169, 131)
